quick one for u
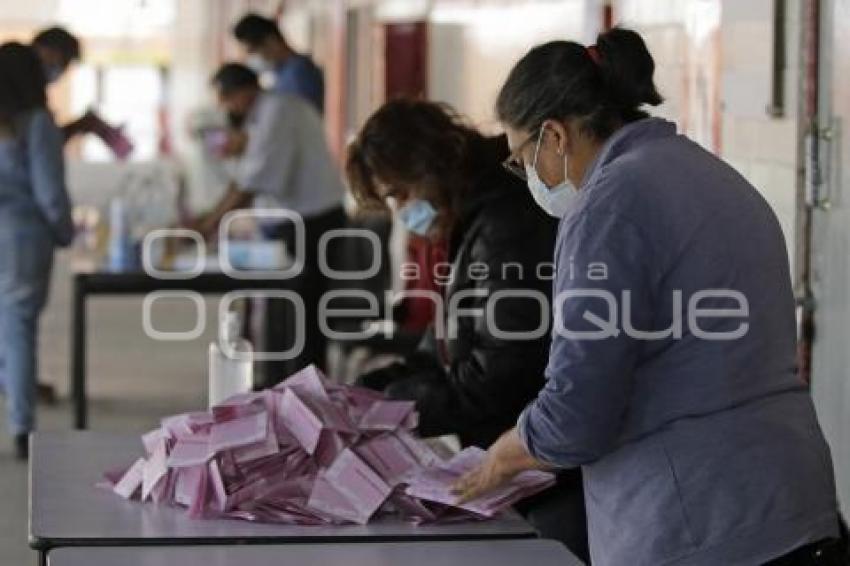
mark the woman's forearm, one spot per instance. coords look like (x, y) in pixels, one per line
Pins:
(513, 454)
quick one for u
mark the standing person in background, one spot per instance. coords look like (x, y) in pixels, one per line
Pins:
(285, 164)
(58, 49)
(35, 218)
(671, 379)
(294, 73)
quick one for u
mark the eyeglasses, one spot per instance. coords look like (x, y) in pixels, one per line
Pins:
(512, 164)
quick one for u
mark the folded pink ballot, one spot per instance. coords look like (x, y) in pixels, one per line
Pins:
(112, 136)
(302, 422)
(386, 415)
(389, 457)
(329, 502)
(189, 451)
(155, 470)
(307, 452)
(308, 382)
(267, 447)
(435, 484)
(186, 486)
(128, 485)
(240, 432)
(358, 483)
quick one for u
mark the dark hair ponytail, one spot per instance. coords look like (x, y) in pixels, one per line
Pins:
(22, 81)
(627, 68)
(605, 85)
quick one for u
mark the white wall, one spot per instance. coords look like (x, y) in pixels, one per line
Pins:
(196, 53)
(473, 49)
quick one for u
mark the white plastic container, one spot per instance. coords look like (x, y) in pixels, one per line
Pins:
(120, 244)
(231, 368)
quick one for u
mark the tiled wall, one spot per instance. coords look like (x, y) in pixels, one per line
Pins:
(763, 148)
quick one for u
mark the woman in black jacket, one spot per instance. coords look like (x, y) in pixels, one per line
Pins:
(445, 180)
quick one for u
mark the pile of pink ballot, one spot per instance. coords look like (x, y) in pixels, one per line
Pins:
(308, 452)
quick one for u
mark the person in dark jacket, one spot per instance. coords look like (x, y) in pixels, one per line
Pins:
(445, 181)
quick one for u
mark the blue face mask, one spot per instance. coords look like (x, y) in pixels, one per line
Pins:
(418, 216)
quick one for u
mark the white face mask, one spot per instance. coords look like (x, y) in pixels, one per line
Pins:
(257, 64)
(557, 200)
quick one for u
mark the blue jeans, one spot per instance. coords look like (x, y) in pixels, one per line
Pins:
(26, 261)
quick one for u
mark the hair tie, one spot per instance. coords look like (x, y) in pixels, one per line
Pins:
(593, 53)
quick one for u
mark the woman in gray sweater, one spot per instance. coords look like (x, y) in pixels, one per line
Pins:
(671, 379)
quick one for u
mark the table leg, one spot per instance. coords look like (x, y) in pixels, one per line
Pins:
(42, 558)
(78, 355)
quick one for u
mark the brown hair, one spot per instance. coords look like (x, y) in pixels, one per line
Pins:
(425, 147)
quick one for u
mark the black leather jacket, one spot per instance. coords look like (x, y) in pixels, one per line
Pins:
(484, 381)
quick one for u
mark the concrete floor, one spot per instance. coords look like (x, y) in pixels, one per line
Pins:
(133, 381)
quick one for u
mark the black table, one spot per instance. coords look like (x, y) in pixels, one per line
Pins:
(470, 553)
(67, 510)
(103, 283)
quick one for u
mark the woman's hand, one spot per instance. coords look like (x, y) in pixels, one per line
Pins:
(491, 475)
(506, 458)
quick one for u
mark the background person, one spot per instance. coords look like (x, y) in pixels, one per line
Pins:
(35, 218)
(445, 181)
(285, 164)
(294, 73)
(57, 48)
(694, 451)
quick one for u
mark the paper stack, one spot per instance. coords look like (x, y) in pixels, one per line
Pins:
(307, 451)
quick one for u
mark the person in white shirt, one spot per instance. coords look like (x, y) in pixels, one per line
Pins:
(286, 164)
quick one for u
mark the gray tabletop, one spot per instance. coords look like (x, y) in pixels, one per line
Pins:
(469, 553)
(66, 509)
